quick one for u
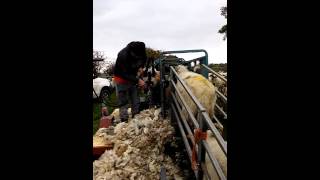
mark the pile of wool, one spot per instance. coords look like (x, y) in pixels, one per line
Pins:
(103, 137)
(116, 113)
(138, 150)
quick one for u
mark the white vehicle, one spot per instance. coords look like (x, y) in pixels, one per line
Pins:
(102, 87)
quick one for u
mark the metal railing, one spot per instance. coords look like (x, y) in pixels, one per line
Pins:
(202, 121)
(215, 73)
(204, 60)
(220, 95)
(182, 113)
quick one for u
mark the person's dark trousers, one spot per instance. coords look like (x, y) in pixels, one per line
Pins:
(126, 92)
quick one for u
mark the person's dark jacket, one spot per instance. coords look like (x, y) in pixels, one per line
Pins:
(129, 60)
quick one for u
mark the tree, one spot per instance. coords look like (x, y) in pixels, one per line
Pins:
(218, 67)
(109, 68)
(153, 54)
(98, 63)
(223, 29)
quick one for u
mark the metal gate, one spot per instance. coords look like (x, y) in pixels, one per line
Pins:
(173, 105)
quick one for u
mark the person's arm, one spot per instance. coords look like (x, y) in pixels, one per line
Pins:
(122, 67)
(130, 77)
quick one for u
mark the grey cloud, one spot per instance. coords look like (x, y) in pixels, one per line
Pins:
(164, 25)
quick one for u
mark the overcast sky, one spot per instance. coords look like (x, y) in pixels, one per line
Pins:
(162, 24)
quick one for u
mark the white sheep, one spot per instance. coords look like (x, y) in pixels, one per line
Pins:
(224, 91)
(224, 74)
(116, 114)
(217, 82)
(197, 69)
(205, 92)
(155, 78)
(218, 154)
(201, 88)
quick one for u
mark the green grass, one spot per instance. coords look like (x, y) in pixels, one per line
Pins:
(97, 111)
(112, 99)
(96, 116)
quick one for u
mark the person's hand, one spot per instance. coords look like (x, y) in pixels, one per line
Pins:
(157, 76)
(141, 83)
(140, 72)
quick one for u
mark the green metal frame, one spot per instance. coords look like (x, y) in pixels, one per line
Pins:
(202, 59)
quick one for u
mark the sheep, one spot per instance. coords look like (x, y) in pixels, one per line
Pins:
(224, 74)
(155, 77)
(218, 153)
(224, 91)
(205, 92)
(154, 86)
(116, 114)
(222, 87)
(207, 97)
(217, 82)
(197, 69)
(201, 88)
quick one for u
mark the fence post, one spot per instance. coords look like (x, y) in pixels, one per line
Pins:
(201, 149)
(162, 89)
(171, 89)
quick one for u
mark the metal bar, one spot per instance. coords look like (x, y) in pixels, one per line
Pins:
(201, 151)
(214, 161)
(220, 109)
(163, 173)
(205, 72)
(222, 96)
(185, 51)
(218, 121)
(170, 87)
(215, 73)
(183, 119)
(204, 113)
(174, 58)
(202, 60)
(184, 138)
(194, 99)
(195, 61)
(162, 89)
(205, 170)
(215, 132)
(195, 123)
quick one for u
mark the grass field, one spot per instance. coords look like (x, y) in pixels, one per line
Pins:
(97, 111)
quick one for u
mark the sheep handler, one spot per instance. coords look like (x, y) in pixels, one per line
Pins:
(129, 66)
